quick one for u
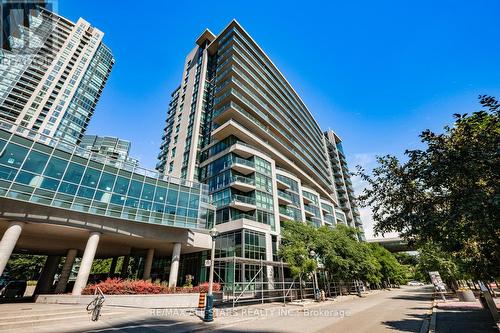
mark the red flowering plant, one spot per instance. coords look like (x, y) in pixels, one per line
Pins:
(131, 287)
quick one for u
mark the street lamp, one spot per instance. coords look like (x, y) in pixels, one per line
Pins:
(209, 311)
(312, 254)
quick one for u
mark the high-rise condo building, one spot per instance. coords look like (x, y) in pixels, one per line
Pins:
(52, 71)
(347, 211)
(236, 124)
(117, 150)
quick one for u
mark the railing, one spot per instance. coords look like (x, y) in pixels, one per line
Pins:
(239, 160)
(285, 195)
(243, 199)
(241, 179)
(294, 213)
(232, 199)
(312, 210)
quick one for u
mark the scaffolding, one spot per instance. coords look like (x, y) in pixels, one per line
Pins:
(245, 281)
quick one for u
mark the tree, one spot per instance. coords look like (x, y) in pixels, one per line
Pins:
(24, 266)
(298, 239)
(432, 258)
(390, 269)
(446, 193)
(340, 252)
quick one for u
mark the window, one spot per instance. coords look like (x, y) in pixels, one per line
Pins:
(74, 173)
(55, 168)
(35, 162)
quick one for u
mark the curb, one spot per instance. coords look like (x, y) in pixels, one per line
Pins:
(429, 323)
(432, 326)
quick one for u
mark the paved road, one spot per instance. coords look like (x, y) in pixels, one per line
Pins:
(398, 310)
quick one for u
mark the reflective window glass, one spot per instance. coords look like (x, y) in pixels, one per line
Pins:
(68, 188)
(28, 178)
(183, 199)
(74, 173)
(35, 162)
(117, 199)
(50, 184)
(55, 167)
(13, 155)
(194, 201)
(131, 202)
(161, 194)
(106, 181)
(7, 173)
(135, 189)
(121, 185)
(86, 192)
(91, 177)
(172, 197)
(148, 191)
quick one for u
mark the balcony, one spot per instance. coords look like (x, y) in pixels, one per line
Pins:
(287, 214)
(282, 185)
(310, 211)
(242, 203)
(284, 198)
(244, 184)
(306, 200)
(243, 166)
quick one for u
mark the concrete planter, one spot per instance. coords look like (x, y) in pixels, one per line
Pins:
(155, 301)
(466, 296)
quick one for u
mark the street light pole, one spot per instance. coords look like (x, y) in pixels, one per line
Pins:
(209, 306)
(312, 254)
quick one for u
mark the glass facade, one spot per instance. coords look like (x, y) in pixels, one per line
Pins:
(241, 243)
(56, 89)
(61, 175)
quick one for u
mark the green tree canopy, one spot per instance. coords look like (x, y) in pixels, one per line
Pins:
(340, 252)
(447, 193)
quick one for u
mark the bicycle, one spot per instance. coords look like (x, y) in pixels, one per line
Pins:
(96, 304)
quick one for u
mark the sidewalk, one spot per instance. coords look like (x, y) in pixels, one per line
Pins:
(453, 316)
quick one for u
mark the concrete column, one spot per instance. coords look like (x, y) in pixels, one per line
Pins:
(148, 264)
(174, 266)
(66, 271)
(112, 269)
(47, 276)
(86, 263)
(8, 242)
(124, 271)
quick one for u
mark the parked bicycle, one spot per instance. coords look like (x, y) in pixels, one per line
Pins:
(95, 306)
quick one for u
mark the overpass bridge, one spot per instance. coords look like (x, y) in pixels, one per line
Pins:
(393, 244)
(58, 199)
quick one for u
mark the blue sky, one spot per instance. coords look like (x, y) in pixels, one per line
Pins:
(377, 72)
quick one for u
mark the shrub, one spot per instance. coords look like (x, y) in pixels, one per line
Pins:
(203, 287)
(124, 287)
(130, 287)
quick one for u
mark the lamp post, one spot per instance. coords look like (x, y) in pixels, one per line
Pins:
(209, 306)
(312, 254)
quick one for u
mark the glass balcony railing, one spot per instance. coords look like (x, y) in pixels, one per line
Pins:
(239, 160)
(235, 198)
(243, 199)
(241, 179)
(312, 210)
(285, 195)
(243, 216)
